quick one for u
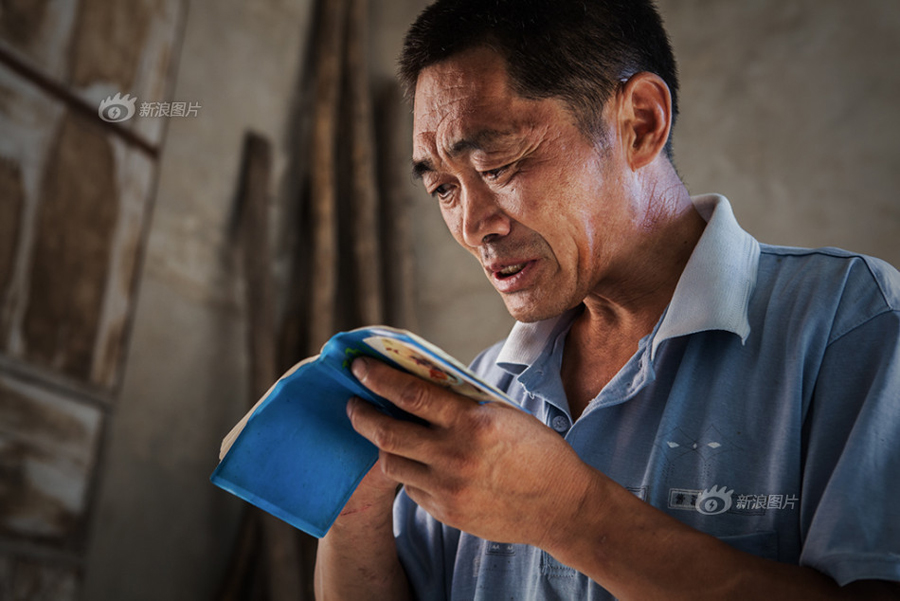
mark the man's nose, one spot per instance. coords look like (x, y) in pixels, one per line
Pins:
(482, 218)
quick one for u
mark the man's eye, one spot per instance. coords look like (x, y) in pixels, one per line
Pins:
(441, 191)
(493, 174)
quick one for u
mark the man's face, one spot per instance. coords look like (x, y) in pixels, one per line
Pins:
(520, 186)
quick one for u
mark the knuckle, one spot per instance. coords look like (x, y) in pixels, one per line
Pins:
(384, 437)
(485, 422)
(462, 464)
(413, 396)
(483, 426)
(456, 493)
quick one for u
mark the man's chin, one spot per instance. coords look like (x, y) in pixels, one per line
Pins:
(531, 312)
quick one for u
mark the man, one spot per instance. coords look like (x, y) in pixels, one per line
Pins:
(707, 417)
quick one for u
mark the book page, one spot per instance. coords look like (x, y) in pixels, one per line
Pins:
(430, 363)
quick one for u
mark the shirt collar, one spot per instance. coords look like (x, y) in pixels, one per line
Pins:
(713, 292)
(527, 341)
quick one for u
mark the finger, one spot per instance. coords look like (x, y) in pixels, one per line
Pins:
(402, 438)
(418, 495)
(401, 469)
(427, 502)
(429, 401)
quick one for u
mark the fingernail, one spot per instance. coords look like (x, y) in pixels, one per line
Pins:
(351, 405)
(360, 367)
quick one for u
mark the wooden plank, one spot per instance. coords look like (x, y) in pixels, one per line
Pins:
(48, 450)
(364, 198)
(126, 47)
(93, 49)
(28, 120)
(73, 245)
(135, 175)
(75, 194)
(256, 262)
(23, 579)
(21, 22)
(39, 32)
(394, 133)
(12, 199)
(108, 41)
(81, 223)
(280, 539)
(324, 172)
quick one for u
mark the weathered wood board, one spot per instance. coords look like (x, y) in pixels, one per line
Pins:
(76, 188)
(95, 49)
(48, 450)
(74, 205)
(24, 579)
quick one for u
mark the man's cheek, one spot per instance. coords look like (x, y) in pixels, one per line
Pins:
(455, 226)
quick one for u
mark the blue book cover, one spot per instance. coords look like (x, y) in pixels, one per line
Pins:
(295, 454)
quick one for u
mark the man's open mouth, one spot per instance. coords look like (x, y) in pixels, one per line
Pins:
(511, 270)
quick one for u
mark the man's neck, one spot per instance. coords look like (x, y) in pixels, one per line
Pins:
(618, 314)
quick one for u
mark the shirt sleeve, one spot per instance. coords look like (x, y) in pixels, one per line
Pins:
(851, 481)
(426, 548)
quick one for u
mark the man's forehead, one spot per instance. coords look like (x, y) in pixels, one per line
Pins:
(463, 103)
(480, 66)
(445, 110)
(467, 104)
(472, 80)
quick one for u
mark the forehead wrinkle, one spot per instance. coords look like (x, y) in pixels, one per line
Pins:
(484, 139)
(480, 140)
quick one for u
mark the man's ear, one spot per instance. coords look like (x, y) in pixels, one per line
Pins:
(645, 118)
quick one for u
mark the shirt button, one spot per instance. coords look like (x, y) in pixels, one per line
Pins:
(560, 424)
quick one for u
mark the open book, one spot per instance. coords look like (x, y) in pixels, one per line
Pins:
(295, 454)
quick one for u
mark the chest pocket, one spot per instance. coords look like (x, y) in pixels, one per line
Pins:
(553, 569)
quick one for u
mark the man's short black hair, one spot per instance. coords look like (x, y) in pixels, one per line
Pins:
(576, 50)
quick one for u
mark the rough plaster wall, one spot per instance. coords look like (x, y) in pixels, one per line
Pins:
(790, 110)
(161, 530)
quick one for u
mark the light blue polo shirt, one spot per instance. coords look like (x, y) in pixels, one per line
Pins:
(763, 409)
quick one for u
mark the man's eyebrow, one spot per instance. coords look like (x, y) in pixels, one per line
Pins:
(477, 141)
(420, 168)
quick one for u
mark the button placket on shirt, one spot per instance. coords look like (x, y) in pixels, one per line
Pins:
(560, 423)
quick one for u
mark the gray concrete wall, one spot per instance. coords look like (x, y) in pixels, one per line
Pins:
(791, 110)
(788, 108)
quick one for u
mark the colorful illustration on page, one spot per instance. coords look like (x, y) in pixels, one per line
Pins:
(416, 361)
